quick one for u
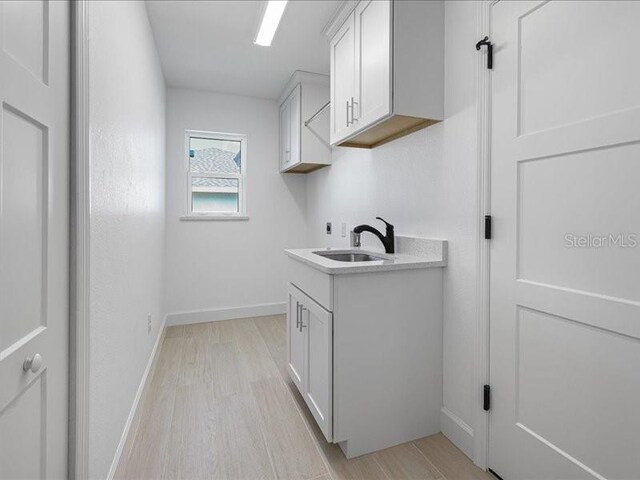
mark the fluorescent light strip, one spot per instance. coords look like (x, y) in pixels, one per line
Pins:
(270, 21)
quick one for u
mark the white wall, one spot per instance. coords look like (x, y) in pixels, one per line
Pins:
(213, 265)
(127, 115)
(425, 184)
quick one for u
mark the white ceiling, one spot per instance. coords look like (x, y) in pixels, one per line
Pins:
(208, 45)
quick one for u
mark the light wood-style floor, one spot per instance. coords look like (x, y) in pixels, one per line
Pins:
(220, 405)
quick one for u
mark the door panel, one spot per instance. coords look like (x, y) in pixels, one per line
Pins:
(23, 226)
(565, 258)
(319, 366)
(373, 61)
(294, 126)
(552, 39)
(34, 224)
(343, 64)
(295, 338)
(25, 36)
(285, 134)
(24, 418)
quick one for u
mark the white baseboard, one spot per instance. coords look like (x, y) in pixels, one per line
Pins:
(136, 400)
(456, 430)
(213, 315)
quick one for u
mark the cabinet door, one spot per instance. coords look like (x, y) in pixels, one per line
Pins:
(285, 134)
(343, 65)
(373, 24)
(294, 125)
(318, 377)
(296, 342)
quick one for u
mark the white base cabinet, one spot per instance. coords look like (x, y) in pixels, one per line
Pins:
(310, 356)
(365, 352)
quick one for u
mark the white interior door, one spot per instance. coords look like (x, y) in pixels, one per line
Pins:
(34, 225)
(565, 259)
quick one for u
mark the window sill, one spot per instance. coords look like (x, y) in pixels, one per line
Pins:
(215, 218)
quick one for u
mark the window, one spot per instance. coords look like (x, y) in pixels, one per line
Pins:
(216, 167)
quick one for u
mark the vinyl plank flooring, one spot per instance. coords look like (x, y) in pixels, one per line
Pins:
(238, 440)
(198, 329)
(195, 367)
(449, 460)
(255, 358)
(359, 468)
(406, 462)
(226, 373)
(192, 456)
(174, 331)
(293, 451)
(273, 330)
(222, 331)
(220, 405)
(147, 457)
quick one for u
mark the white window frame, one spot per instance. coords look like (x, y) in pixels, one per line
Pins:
(241, 214)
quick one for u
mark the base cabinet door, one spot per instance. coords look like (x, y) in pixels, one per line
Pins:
(310, 356)
(318, 385)
(296, 341)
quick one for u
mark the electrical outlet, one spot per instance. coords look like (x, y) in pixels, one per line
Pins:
(328, 228)
(344, 229)
(149, 323)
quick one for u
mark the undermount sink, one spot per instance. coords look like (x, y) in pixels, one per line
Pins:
(349, 257)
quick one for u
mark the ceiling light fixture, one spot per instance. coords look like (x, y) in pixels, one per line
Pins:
(270, 21)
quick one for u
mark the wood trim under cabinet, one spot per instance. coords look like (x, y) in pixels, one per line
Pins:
(393, 127)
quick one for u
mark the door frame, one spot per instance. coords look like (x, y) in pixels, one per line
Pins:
(483, 278)
(78, 465)
(79, 240)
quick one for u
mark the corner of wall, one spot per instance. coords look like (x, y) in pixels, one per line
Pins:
(456, 430)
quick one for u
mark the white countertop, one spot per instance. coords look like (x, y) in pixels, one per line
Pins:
(397, 261)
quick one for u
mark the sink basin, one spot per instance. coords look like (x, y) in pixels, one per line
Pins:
(349, 257)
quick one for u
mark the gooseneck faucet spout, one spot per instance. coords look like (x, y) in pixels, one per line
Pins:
(387, 240)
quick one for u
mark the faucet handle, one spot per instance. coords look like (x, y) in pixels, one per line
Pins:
(385, 222)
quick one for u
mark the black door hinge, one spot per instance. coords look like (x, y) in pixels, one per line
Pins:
(489, 45)
(487, 227)
(486, 398)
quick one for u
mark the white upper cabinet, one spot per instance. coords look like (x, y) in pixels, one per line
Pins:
(290, 130)
(387, 71)
(285, 134)
(304, 144)
(373, 68)
(343, 78)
